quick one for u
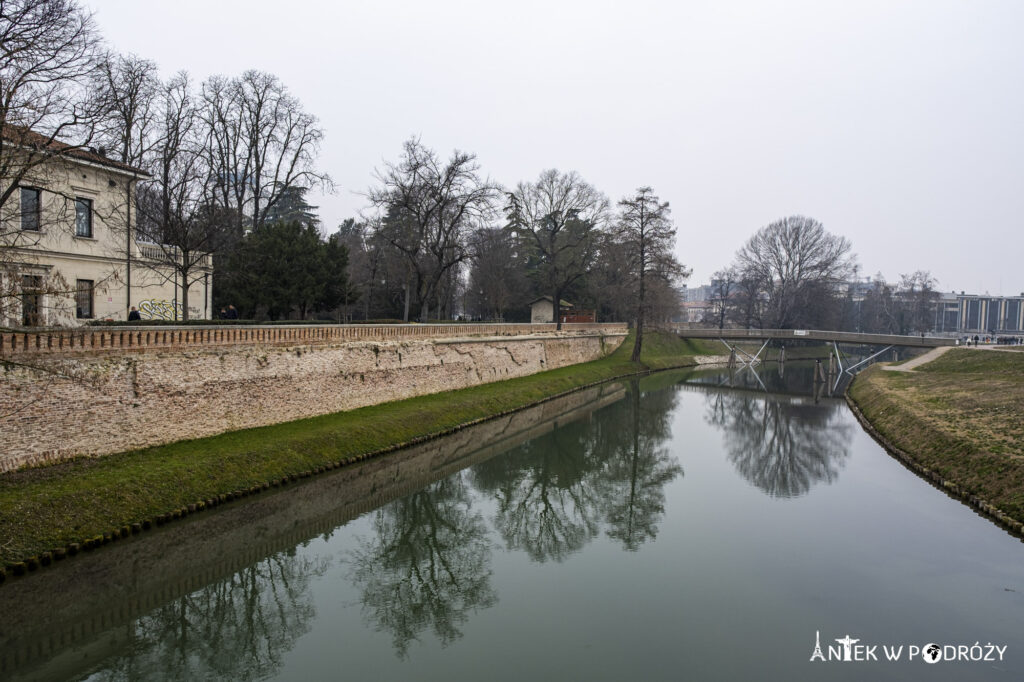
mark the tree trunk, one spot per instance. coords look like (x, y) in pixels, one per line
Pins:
(184, 297)
(425, 305)
(556, 311)
(405, 315)
(638, 346)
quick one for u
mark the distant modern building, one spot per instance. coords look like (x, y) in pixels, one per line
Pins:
(990, 314)
(947, 313)
(955, 313)
(696, 294)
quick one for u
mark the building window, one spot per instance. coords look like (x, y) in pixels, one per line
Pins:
(30, 206)
(31, 300)
(83, 299)
(83, 217)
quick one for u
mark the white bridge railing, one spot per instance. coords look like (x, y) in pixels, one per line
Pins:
(760, 335)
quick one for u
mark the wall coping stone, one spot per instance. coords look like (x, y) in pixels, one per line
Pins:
(119, 339)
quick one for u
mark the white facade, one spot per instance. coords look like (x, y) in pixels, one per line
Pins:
(67, 257)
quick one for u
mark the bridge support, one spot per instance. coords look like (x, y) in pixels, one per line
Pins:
(753, 358)
(849, 370)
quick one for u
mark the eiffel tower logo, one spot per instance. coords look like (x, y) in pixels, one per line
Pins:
(817, 647)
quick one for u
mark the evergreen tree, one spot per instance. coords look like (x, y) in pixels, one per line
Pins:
(291, 205)
(283, 269)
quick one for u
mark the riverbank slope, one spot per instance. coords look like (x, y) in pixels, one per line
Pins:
(49, 512)
(959, 420)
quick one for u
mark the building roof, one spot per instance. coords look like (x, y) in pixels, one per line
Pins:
(562, 302)
(36, 141)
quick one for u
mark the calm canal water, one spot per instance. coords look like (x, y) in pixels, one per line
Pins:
(686, 526)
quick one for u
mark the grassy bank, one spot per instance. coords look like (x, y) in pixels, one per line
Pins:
(90, 501)
(960, 416)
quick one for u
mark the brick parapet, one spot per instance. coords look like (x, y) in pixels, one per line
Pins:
(76, 341)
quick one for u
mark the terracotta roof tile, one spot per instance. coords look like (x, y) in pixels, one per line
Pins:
(26, 137)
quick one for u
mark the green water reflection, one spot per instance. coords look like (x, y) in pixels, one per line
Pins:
(564, 542)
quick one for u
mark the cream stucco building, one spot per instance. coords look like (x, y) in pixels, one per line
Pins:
(69, 252)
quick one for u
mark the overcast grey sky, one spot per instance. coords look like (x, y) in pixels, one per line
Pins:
(896, 124)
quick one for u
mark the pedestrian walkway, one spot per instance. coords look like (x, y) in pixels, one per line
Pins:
(910, 365)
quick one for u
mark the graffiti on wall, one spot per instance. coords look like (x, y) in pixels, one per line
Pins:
(162, 309)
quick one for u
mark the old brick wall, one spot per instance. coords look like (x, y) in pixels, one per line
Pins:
(113, 397)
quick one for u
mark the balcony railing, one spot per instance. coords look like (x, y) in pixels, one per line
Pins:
(168, 254)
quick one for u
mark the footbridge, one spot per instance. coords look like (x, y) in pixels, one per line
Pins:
(766, 336)
(919, 341)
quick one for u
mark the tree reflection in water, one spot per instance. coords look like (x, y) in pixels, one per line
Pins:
(548, 492)
(427, 564)
(781, 445)
(554, 492)
(235, 629)
(639, 467)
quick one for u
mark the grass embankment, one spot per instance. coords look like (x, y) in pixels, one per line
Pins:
(94, 500)
(962, 418)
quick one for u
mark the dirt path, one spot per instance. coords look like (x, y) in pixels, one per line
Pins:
(918, 361)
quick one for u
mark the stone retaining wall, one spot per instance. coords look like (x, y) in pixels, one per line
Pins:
(60, 399)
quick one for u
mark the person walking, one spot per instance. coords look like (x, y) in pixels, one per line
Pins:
(232, 313)
(134, 315)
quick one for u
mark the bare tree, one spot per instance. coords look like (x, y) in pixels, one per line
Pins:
(664, 300)
(877, 312)
(610, 281)
(261, 144)
(917, 297)
(131, 94)
(497, 280)
(130, 90)
(431, 207)
(723, 285)
(645, 227)
(176, 212)
(790, 260)
(47, 49)
(748, 302)
(557, 219)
